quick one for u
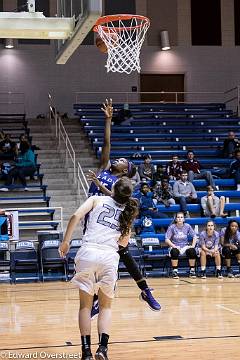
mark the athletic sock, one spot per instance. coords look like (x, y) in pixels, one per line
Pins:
(142, 284)
(103, 339)
(86, 343)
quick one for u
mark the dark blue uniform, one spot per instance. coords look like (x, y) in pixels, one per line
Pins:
(107, 179)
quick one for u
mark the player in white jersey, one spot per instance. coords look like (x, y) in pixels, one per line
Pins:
(108, 227)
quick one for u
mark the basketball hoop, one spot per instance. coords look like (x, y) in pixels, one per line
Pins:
(123, 35)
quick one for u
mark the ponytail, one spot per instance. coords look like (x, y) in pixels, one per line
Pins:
(127, 216)
(122, 192)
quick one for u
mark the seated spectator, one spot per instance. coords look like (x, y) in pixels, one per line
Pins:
(147, 206)
(184, 193)
(213, 205)
(135, 180)
(159, 174)
(193, 167)
(209, 246)
(2, 135)
(8, 148)
(235, 169)
(230, 145)
(163, 193)
(23, 138)
(4, 169)
(24, 166)
(178, 239)
(146, 169)
(174, 168)
(230, 241)
(124, 116)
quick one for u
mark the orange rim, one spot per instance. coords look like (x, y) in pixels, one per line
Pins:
(110, 18)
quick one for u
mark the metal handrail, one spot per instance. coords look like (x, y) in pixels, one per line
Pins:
(127, 95)
(61, 133)
(82, 180)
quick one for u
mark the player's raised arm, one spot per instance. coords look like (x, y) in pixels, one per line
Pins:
(108, 111)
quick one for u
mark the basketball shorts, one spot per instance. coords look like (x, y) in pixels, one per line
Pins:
(96, 268)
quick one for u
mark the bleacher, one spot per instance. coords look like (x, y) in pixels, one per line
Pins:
(163, 130)
(33, 218)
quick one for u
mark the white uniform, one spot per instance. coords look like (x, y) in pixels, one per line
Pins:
(96, 262)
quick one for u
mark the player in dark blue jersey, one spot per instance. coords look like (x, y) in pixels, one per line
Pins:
(102, 182)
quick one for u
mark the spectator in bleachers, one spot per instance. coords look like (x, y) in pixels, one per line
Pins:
(209, 246)
(230, 145)
(193, 167)
(22, 139)
(135, 179)
(181, 239)
(174, 168)
(163, 193)
(159, 174)
(230, 240)
(124, 116)
(146, 169)
(235, 169)
(213, 205)
(2, 135)
(147, 206)
(184, 193)
(8, 148)
(24, 166)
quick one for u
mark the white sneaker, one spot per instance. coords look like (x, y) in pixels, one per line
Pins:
(175, 274)
(4, 189)
(238, 187)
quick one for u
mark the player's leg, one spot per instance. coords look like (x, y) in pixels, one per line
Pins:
(104, 323)
(134, 271)
(85, 323)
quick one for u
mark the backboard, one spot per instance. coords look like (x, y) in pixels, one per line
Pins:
(86, 12)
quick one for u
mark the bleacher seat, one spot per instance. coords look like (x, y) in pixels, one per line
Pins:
(5, 269)
(24, 262)
(74, 247)
(53, 267)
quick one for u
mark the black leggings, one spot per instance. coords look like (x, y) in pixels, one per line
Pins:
(228, 253)
(130, 263)
(190, 253)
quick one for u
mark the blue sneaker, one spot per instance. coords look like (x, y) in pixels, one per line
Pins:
(95, 310)
(146, 295)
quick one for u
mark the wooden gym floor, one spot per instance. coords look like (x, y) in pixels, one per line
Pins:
(200, 319)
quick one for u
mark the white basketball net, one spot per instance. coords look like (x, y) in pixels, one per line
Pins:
(124, 39)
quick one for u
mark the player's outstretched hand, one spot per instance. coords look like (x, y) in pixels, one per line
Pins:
(107, 108)
(91, 176)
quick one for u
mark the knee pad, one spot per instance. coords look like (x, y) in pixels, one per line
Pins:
(174, 253)
(191, 253)
(226, 251)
